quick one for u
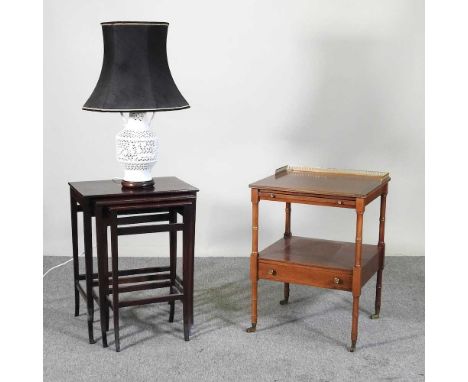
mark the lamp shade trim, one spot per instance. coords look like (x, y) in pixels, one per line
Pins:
(134, 23)
(136, 110)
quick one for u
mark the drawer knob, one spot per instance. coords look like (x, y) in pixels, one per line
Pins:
(340, 202)
(337, 280)
(272, 196)
(271, 272)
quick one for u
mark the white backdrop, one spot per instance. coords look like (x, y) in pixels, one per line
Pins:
(321, 83)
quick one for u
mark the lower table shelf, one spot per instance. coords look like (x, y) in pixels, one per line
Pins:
(316, 262)
(128, 282)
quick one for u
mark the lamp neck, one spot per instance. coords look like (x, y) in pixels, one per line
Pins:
(137, 120)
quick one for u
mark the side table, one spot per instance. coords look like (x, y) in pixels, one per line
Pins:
(316, 262)
(102, 199)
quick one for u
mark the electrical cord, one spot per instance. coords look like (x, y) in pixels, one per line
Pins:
(59, 265)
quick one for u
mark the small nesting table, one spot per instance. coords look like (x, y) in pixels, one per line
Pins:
(129, 212)
(315, 262)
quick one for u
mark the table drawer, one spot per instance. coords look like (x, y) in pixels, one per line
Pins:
(306, 275)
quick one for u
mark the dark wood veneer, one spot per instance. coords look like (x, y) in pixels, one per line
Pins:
(122, 210)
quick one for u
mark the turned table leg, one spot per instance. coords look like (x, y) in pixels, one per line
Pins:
(356, 287)
(381, 246)
(287, 234)
(254, 260)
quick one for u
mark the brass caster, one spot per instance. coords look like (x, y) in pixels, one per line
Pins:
(252, 329)
(284, 302)
(374, 316)
(352, 347)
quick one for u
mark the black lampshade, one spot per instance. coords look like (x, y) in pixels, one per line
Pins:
(135, 74)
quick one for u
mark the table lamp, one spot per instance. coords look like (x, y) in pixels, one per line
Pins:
(136, 82)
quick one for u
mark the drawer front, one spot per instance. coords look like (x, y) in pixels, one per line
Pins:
(280, 197)
(298, 274)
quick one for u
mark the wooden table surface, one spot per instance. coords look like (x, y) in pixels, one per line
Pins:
(111, 188)
(327, 182)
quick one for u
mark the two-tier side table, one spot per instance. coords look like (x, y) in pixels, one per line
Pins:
(128, 212)
(315, 262)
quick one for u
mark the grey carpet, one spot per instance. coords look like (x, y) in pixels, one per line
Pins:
(303, 341)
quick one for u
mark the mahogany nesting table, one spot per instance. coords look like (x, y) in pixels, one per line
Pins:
(129, 212)
(316, 262)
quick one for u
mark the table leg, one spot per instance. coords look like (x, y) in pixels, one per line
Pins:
(88, 245)
(103, 270)
(254, 260)
(172, 260)
(381, 246)
(187, 265)
(192, 259)
(115, 280)
(287, 234)
(356, 287)
(286, 294)
(354, 329)
(76, 269)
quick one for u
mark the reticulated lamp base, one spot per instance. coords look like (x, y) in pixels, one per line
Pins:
(137, 150)
(133, 185)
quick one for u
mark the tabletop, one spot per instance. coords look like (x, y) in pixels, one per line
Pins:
(317, 181)
(113, 188)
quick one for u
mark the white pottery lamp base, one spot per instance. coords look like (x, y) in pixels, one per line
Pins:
(137, 149)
